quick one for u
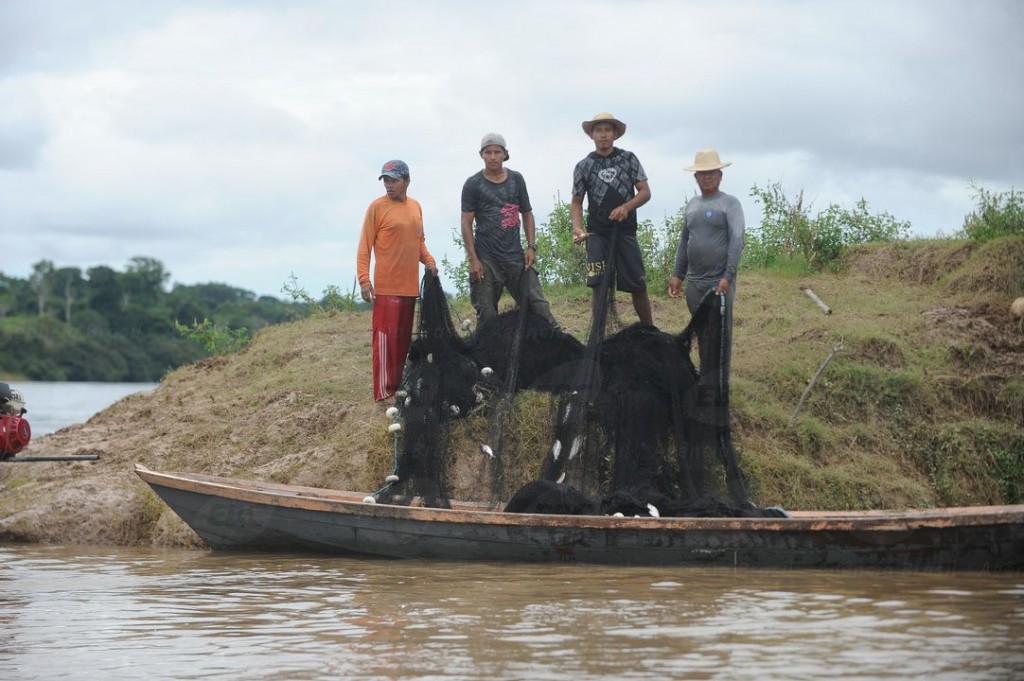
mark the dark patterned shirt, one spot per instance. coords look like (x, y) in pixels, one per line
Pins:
(608, 181)
(496, 207)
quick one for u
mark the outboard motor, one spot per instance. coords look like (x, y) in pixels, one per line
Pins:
(15, 433)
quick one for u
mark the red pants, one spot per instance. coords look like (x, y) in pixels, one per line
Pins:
(392, 335)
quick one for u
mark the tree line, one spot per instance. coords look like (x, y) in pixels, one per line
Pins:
(63, 324)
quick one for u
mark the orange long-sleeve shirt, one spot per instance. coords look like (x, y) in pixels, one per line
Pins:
(393, 231)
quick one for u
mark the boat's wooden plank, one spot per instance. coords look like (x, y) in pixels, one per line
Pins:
(327, 500)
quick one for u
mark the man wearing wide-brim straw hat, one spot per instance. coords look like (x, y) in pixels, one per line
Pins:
(709, 253)
(618, 126)
(615, 185)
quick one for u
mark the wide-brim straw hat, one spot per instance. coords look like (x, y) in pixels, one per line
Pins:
(605, 117)
(707, 159)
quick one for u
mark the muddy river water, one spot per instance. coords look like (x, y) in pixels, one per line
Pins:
(120, 613)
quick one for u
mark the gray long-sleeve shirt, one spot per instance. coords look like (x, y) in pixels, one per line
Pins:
(712, 240)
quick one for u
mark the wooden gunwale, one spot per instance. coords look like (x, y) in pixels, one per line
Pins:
(351, 503)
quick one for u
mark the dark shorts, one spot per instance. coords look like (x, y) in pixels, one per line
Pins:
(630, 276)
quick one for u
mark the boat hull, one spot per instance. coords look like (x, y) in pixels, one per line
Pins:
(231, 514)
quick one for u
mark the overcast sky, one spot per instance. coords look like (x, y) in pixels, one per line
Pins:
(240, 142)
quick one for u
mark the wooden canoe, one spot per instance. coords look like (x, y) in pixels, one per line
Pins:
(231, 514)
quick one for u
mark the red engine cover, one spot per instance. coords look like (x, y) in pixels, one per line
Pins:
(15, 434)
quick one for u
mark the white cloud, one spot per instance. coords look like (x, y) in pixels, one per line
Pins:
(24, 128)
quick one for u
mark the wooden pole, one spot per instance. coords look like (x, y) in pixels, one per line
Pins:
(817, 301)
(67, 457)
(814, 379)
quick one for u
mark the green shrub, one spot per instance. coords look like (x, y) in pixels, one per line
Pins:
(1009, 470)
(658, 247)
(216, 340)
(998, 214)
(560, 262)
(788, 232)
(332, 302)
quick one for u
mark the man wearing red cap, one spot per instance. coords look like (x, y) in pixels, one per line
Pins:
(615, 185)
(393, 233)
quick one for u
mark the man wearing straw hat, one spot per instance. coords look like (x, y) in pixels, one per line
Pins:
(615, 185)
(709, 249)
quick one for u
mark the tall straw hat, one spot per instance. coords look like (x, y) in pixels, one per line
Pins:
(604, 117)
(707, 159)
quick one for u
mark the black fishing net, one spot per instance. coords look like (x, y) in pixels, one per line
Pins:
(439, 384)
(634, 431)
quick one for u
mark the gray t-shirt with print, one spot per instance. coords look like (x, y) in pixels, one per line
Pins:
(496, 208)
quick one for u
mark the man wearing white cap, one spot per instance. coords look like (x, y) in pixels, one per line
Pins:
(615, 185)
(495, 198)
(709, 250)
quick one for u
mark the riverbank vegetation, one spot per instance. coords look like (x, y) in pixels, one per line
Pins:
(61, 324)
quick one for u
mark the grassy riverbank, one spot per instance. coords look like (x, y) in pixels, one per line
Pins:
(923, 405)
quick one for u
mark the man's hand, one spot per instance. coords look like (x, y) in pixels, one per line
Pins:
(675, 287)
(529, 258)
(619, 214)
(432, 269)
(578, 235)
(367, 292)
(723, 286)
(476, 271)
